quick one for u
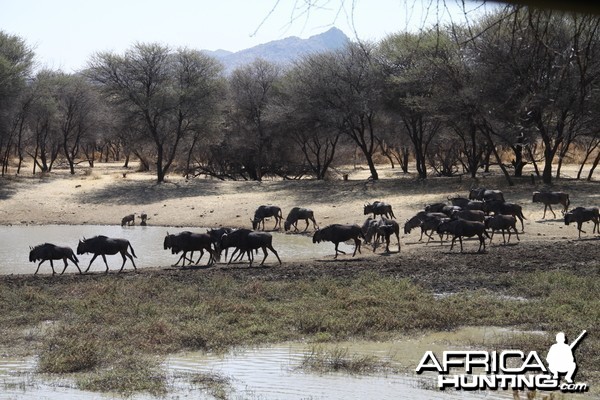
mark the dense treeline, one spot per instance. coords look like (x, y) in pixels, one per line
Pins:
(516, 87)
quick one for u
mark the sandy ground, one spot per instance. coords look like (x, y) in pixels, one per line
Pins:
(104, 195)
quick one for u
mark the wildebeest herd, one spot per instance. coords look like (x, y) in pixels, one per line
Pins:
(483, 213)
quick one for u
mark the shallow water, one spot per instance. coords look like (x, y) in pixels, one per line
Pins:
(272, 372)
(147, 242)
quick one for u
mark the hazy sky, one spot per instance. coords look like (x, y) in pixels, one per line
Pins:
(64, 33)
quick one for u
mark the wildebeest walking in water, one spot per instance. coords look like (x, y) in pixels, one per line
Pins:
(188, 241)
(263, 212)
(49, 251)
(102, 245)
(337, 233)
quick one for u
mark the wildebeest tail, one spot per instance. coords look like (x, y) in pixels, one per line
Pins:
(132, 252)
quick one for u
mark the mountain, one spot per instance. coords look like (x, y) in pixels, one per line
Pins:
(282, 51)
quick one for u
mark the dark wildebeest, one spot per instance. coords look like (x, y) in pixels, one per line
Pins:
(215, 236)
(460, 228)
(502, 223)
(128, 220)
(296, 214)
(263, 212)
(484, 194)
(382, 229)
(102, 245)
(187, 241)
(236, 238)
(247, 241)
(584, 214)
(49, 251)
(337, 233)
(466, 204)
(549, 198)
(469, 215)
(379, 208)
(503, 208)
(426, 221)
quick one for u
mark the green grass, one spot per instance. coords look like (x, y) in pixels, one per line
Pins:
(111, 331)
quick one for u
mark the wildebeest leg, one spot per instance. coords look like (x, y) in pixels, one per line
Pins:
(270, 247)
(74, 260)
(356, 246)
(198, 260)
(65, 260)
(482, 242)
(105, 263)
(492, 237)
(550, 205)
(339, 251)
(452, 244)
(503, 237)
(307, 223)
(461, 246)
(579, 225)
(38, 268)
(90, 264)
(124, 254)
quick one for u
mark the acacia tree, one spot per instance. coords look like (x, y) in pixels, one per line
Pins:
(251, 89)
(551, 63)
(16, 61)
(411, 63)
(302, 112)
(351, 94)
(162, 90)
(77, 113)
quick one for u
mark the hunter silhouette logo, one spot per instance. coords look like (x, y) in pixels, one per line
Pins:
(560, 357)
(507, 369)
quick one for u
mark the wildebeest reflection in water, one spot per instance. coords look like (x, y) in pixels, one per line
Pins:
(101, 246)
(49, 251)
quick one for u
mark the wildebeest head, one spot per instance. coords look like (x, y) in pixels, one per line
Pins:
(82, 247)
(368, 208)
(317, 236)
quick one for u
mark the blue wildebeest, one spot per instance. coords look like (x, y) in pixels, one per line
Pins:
(379, 208)
(101, 246)
(263, 212)
(460, 228)
(49, 251)
(502, 223)
(187, 241)
(381, 230)
(296, 214)
(426, 221)
(501, 207)
(215, 236)
(246, 241)
(584, 214)
(549, 198)
(484, 194)
(337, 233)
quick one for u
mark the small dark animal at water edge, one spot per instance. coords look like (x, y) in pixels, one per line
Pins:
(460, 228)
(102, 245)
(128, 220)
(337, 233)
(49, 251)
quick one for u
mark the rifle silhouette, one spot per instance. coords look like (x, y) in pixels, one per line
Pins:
(574, 343)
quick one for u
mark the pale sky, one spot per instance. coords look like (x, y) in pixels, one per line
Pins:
(65, 33)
